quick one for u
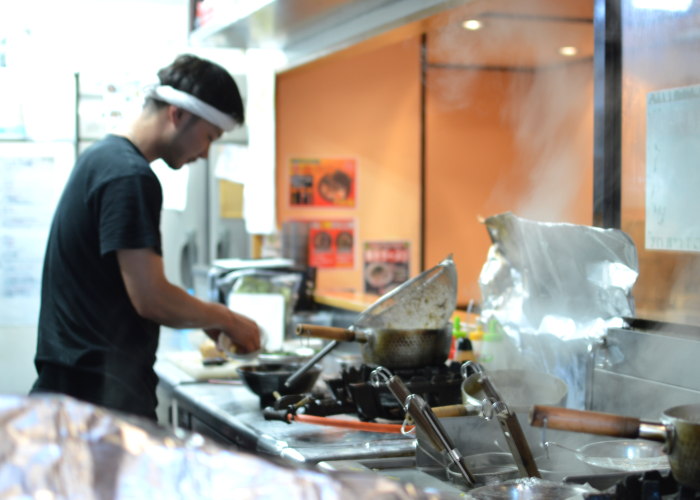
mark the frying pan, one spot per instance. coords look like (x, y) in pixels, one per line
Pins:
(679, 430)
(426, 301)
(389, 347)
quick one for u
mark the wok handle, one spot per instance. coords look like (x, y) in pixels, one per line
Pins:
(567, 419)
(325, 332)
(452, 411)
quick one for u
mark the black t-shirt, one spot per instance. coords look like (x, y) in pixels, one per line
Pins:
(88, 327)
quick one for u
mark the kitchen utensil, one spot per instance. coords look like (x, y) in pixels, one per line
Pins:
(622, 455)
(679, 430)
(520, 389)
(426, 301)
(267, 379)
(530, 488)
(420, 412)
(494, 404)
(486, 468)
(392, 348)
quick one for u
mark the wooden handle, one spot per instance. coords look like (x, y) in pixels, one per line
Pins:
(450, 411)
(350, 424)
(326, 332)
(566, 419)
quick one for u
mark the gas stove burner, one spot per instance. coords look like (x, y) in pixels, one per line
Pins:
(439, 385)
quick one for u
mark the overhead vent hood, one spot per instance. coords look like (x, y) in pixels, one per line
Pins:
(305, 30)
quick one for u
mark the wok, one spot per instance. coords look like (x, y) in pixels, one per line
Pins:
(267, 379)
(679, 430)
(389, 347)
(425, 301)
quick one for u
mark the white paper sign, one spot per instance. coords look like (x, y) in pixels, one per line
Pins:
(673, 169)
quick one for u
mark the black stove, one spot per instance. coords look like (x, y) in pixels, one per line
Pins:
(352, 392)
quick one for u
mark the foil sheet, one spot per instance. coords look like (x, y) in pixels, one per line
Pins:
(555, 289)
(55, 447)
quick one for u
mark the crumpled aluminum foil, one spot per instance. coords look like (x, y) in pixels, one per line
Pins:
(555, 289)
(55, 447)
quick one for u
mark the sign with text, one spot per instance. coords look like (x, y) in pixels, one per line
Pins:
(672, 170)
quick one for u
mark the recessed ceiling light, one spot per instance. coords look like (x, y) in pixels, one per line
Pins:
(568, 51)
(472, 24)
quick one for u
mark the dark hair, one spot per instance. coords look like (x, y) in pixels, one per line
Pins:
(207, 81)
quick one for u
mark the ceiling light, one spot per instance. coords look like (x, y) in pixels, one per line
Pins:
(669, 5)
(472, 24)
(568, 51)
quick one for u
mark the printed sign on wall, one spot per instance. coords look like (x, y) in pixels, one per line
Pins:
(386, 265)
(332, 244)
(324, 182)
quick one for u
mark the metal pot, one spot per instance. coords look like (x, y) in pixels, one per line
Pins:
(391, 348)
(520, 389)
(679, 430)
(486, 468)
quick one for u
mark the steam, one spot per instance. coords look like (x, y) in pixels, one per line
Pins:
(548, 106)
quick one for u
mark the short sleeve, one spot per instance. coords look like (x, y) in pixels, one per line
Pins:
(129, 214)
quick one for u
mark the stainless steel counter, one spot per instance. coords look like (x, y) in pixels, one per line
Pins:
(231, 414)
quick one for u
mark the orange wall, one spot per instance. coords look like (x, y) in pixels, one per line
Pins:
(365, 107)
(495, 141)
(501, 141)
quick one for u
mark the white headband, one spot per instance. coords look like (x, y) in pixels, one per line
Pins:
(194, 105)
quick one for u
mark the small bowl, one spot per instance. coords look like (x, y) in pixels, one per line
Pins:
(267, 378)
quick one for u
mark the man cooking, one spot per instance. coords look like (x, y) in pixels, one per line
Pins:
(104, 291)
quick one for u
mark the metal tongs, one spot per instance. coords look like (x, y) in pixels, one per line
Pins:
(423, 416)
(494, 405)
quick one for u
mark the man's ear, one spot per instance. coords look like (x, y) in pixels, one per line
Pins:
(175, 114)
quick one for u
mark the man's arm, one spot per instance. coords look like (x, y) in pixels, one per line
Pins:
(155, 298)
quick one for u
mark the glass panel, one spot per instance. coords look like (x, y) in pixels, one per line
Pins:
(660, 51)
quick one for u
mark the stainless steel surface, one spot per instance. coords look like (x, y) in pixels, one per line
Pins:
(422, 415)
(634, 364)
(507, 419)
(235, 412)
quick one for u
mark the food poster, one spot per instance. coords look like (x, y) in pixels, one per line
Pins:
(332, 244)
(386, 265)
(325, 182)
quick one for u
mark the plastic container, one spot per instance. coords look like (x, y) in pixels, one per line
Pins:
(496, 351)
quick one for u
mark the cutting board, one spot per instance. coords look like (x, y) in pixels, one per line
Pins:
(191, 363)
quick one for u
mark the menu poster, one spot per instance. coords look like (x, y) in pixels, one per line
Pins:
(331, 244)
(326, 182)
(386, 265)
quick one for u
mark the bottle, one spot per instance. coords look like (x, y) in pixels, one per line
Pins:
(476, 337)
(464, 350)
(495, 352)
(457, 334)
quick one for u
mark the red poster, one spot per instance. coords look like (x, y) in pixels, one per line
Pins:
(332, 244)
(386, 265)
(325, 182)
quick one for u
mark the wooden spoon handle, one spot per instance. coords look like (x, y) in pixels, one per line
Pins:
(566, 419)
(325, 332)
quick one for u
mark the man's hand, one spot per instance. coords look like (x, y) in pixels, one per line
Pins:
(242, 331)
